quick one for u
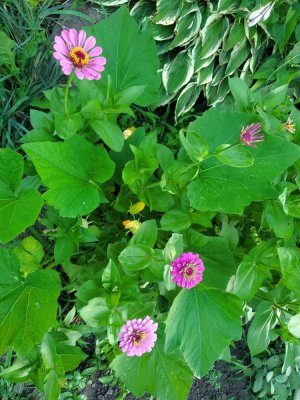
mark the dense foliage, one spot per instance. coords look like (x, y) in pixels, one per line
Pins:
(92, 218)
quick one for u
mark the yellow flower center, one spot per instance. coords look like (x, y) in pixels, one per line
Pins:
(79, 57)
(132, 226)
(138, 337)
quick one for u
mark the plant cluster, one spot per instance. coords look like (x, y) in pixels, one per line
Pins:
(201, 44)
(160, 253)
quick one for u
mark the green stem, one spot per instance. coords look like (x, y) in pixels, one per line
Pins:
(67, 92)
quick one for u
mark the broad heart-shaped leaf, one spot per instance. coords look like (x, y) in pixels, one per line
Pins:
(227, 189)
(131, 55)
(217, 258)
(201, 322)
(165, 376)
(27, 306)
(72, 171)
(18, 208)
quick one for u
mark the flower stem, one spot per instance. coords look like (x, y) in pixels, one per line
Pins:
(67, 92)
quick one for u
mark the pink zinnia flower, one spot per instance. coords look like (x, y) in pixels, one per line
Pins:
(187, 270)
(289, 126)
(74, 50)
(249, 135)
(138, 336)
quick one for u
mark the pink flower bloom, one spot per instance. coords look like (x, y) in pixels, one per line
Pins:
(187, 270)
(289, 126)
(138, 336)
(249, 135)
(74, 50)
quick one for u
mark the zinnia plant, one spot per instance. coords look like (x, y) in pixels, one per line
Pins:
(74, 50)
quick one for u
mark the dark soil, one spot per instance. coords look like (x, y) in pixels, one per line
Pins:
(222, 383)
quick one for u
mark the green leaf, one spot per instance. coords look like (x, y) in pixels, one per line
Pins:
(187, 99)
(177, 72)
(186, 28)
(282, 224)
(136, 257)
(18, 209)
(95, 313)
(52, 387)
(165, 376)
(174, 247)
(72, 171)
(238, 55)
(249, 277)
(131, 55)
(213, 34)
(67, 125)
(146, 234)
(290, 266)
(29, 253)
(111, 276)
(167, 11)
(240, 92)
(71, 356)
(227, 189)
(264, 320)
(175, 221)
(218, 260)
(110, 133)
(275, 97)
(7, 56)
(237, 156)
(194, 145)
(27, 306)
(215, 315)
(294, 325)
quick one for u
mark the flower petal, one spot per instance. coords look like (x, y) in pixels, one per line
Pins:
(81, 38)
(73, 37)
(90, 43)
(79, 74)
(95, 52)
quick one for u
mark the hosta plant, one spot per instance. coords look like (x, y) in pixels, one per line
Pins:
(161, 254)
(201, 44)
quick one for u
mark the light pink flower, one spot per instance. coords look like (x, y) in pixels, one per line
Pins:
(289, 126)
(187, 270)
(74, 50)
(138, 336)
(249, 135)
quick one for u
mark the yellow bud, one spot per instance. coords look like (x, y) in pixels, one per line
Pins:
(136, 208)
(128, 132)
(132, 226)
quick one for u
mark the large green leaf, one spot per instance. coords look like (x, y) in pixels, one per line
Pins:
(290, 267)
(131, 55)
(202, 321)
(165, 376)
(228, 189)
(18, 208)
(27, 306)
(72, 171)
(259, 332)
(217, 258)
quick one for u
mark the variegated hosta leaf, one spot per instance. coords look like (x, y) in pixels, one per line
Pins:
(238, 56)
(215, 30)
(167, 11)
(177, 72)
(205, 75)
(186, 29)
(187, 99)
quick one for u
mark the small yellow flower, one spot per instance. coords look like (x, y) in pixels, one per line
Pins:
(289, 126)
(128, 132)
(132, 226)
(136, 208)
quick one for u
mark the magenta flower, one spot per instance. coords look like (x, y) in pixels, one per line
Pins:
(249, 135)
(187, 270)
(138, 336)
(74, 50)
